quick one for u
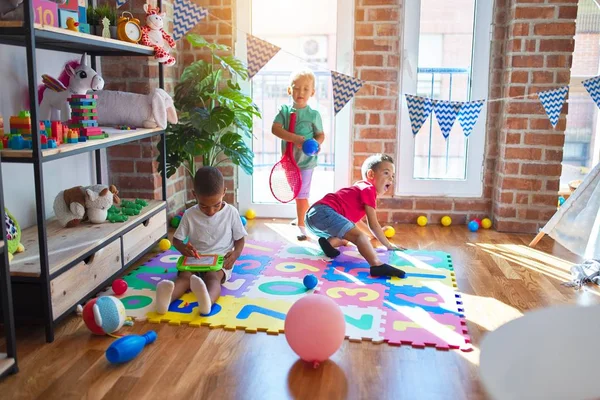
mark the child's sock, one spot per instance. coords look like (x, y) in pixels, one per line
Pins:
(328, 249)
(164, 290)
(302, 234)
(201, 292)
(387, 270)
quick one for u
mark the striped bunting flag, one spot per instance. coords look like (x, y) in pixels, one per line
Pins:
(186, 16)
(260, 53)
(468, 115)
(592, 85)
(446, 113)
(553, 101)
(419, 109)
(344, 88)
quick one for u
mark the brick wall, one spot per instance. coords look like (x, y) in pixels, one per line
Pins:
(533, 55)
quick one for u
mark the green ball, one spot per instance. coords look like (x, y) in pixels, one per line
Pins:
(175, 221)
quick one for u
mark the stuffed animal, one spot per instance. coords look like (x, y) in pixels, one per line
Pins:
(149, 111)
(105, 315)
(153, 35)
(13, 235)
(74, 205)
(76, 78)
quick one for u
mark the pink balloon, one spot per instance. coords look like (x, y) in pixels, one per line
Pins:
(315, 328)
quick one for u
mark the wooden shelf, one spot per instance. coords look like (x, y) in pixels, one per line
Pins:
(60, 39)
(116, 137)
(69, 245)
(5, 363)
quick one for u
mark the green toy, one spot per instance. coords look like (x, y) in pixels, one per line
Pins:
(130, 211)
(141, 202)
(131, 204)
(13, 235)
(113, 217)
(114, 210)
(204, 263)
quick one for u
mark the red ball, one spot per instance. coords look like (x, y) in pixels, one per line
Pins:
(88, 318)
(119, 286)
(478, 221)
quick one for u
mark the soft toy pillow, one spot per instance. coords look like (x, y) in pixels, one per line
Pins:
(137, 110)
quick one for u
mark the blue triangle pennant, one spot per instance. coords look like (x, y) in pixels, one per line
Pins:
(446, 113)
(260, 53)
(344, 88)
(185, 17)
(468, 115)
(592, 85)
(419, 109)
(553, 101)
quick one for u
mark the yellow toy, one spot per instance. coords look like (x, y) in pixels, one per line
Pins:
(388, 231)
(164, 245)
(422, 220)
(250, 214)
(446, 221)
(486, 223)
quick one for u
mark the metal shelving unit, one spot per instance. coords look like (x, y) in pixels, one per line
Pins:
(35, 287)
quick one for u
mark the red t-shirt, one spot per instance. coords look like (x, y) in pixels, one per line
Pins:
(351, 201)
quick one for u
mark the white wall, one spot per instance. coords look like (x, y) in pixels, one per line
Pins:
(19, 192)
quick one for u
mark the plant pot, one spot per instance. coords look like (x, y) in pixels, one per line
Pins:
(113, 32)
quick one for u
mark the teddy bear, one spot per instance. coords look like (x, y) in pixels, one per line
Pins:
(154, 35)
(74, 205)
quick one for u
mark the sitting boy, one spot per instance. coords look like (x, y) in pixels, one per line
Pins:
(333, 218)
(212, 227)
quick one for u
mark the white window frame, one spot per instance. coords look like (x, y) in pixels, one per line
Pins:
(343, 120)
(472, 186)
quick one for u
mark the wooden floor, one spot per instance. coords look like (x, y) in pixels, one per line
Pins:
(500, 276)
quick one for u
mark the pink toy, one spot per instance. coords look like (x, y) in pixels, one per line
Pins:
(119, 286)
(153, 35)
(315, 328)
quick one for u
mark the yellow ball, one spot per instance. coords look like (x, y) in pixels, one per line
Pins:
(250, 214)
(164, 244)
(422, 220)
(388, 231)
(446, 221)
(486, 223)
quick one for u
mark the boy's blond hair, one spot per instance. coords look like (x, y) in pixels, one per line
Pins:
(303, 73)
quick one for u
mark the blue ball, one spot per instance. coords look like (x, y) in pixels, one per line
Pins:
(244, 220)
(310, 281)
(473, 226)
(310, 147)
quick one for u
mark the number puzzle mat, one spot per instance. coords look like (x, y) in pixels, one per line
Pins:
(421, 310)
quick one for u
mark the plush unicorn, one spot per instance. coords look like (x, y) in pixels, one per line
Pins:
(77, 78)
(153, 35)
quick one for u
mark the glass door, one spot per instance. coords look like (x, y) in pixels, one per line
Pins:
(308, 39)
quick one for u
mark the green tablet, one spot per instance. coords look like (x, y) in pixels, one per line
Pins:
(204, 263)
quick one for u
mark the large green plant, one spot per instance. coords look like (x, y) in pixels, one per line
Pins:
(214, 115)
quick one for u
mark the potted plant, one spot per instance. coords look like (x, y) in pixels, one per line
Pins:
(98, 15)
(215, 116)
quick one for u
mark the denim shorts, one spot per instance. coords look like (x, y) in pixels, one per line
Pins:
(323, 221)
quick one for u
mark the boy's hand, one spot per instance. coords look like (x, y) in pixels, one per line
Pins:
(230, 259)
(392, 247)
(190, 251)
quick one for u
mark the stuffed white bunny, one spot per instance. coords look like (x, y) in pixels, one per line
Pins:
(137, 110)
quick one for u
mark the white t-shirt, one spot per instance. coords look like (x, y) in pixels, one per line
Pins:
(211, 235)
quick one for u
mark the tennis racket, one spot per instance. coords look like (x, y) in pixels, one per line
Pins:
(285, 179)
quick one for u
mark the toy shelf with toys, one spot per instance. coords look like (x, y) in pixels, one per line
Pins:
(62, 267)
(115, 137)
(59, 39)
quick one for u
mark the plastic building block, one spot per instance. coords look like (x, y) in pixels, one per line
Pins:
(24, 114)
(52, 144)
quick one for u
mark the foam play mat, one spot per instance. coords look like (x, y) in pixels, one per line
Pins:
(421, 310)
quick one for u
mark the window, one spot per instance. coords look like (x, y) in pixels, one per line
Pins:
(581, 151)
(440, 43)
